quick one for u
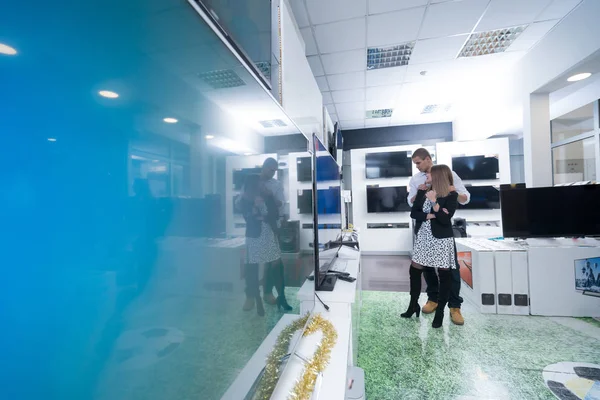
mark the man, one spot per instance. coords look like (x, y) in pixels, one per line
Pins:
(423, 161)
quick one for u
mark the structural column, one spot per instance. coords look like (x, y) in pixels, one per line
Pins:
(537, 140)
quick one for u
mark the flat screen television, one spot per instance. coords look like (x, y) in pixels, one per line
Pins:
(565, 211)
(326, 199)
(387, 199)
(239, 176)
(388, 165)
(474, 168)
(482, 198)
(304, 169)
(587, 276)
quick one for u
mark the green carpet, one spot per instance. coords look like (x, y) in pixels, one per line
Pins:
(490, 357)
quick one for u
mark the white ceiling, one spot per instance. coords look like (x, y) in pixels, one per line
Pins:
(338, 32)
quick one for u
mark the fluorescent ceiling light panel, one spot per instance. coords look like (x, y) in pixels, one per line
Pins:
(491, 42)
(434, 108)
(381, 113)
(265, 68)
(272, 123)
(389, 57)
(222, 79)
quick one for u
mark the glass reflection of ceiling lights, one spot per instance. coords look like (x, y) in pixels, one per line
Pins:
(108, 94)
(170, 120)
(230, 146)
(7, 50)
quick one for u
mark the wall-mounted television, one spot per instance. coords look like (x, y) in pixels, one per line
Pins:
(327, 169)
(587, 275)
(304, 169)
(565, 211)
(482, 198)
(328, 201)
(239, 176)
(388, 165)
(476, 167)
(387, 199)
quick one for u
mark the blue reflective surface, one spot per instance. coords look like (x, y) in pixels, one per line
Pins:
(120, 276)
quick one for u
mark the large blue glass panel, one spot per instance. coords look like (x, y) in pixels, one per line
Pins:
(124, 266)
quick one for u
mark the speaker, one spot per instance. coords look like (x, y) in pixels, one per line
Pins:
(289, 237)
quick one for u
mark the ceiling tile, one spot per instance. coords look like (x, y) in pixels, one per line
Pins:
(377, 122)
(331, 108)
(341, 36)
(347, 61)
(333, 117)
(353, 124)
(507, 13)
(533, 34)
(384, 6)
(327, 99)
(452, 18)
(379, 96)
(315, 65)
(309, 41)
(353, 80)
(558, 9)
(348, 96)
(432, 50)
(322, 82)
(325, 11)
(385, 76)
(351, 111)
(300, 13)
(394, 28)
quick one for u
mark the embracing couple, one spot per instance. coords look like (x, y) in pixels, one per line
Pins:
(434, 195)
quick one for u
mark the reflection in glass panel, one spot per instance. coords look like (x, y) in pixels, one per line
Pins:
(128, 274)
(575, 162)
(574, 123)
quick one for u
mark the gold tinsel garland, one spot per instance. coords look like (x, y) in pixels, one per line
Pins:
(305, 385)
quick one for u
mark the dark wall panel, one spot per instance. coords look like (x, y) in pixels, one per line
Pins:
(397, 135)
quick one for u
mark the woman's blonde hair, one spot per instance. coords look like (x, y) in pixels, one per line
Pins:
(441, 180)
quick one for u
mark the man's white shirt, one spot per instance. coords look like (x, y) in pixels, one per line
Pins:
(421, 177)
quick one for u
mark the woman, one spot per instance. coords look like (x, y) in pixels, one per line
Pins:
(434, 245)
(260, 241)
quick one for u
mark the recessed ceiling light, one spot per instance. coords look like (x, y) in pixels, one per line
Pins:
(169, 120)
(388, 57)
(491, 42)
(209, 137)
(6, 49)
(51, 139)
(579, 77)
(108, 94)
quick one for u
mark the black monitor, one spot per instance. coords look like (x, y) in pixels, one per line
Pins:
(328, 200)
(304, 169)
(565, 211)
(387, 199)
(476, 167)
(239, 176)
(388, 165)
(325, 197)
(482, 198)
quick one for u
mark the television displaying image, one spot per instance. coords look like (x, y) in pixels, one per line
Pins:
(587, 275)
(388, 165)
(304, 169)
(328, 201)
(482, 198)
(239, 176)
(387, 199)
(327, 169)
(476, 167)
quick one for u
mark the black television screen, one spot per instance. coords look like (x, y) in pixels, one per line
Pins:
(476, 167)
(328, 201)
(387, 199)
(565, 211)
(239, 176)
(482, 198)
(304, 169)
(587, 275)
(388, 165)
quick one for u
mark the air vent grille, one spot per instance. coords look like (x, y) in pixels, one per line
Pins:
(381, 113)
(222, 79)
(265, 68)
(388, 57)
(491, 42)
(273, 123)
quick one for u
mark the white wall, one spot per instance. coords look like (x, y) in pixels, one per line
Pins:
(378, 240)
(301, 97)
(499, 146)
